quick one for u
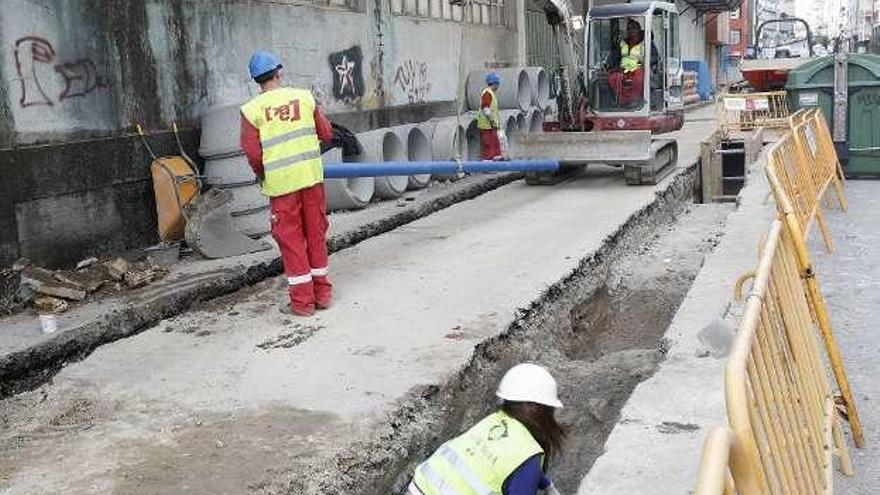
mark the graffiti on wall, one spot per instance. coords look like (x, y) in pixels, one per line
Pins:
(346, 69)
(412, 78)
(80, 77)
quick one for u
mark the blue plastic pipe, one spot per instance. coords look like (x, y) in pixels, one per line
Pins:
(379, 169)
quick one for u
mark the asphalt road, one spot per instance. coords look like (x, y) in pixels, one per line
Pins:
(850, 280)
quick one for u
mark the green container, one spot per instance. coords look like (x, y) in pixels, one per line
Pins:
(812, 85)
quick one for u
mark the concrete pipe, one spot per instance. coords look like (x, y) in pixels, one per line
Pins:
(221, 131)
(540, 83)
(233, 174)
(521, 123)
(253, 224)
(418, 149)
(448, 142)
(383, 145)
(535, 120)
(510, 122)
(348, 193)
(230, 169)
(472, 138)
(515, 91)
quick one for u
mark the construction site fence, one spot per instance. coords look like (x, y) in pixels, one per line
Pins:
(784, 428)
(750, 111)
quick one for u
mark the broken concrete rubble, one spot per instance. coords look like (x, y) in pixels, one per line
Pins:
(10, 281)
(117, 268)
(50, 304)
(44, 282)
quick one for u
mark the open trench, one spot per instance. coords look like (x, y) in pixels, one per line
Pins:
(600, 331)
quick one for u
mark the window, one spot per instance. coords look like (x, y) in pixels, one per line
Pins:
(485, 12)
(735, 36)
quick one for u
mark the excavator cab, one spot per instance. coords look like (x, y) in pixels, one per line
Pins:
(633, 73)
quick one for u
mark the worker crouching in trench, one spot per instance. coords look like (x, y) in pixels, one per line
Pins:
(506, 453)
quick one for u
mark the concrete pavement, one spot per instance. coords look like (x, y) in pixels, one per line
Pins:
(235, 396)
(850, 281)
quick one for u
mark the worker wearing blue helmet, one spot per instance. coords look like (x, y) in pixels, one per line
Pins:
(281, 131)
(489, 119)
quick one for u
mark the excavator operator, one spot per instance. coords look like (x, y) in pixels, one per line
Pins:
(627, 61)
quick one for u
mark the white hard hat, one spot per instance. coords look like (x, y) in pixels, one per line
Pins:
(528, 382)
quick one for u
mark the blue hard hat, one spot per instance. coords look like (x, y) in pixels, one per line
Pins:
(262, 62)
(493, 78)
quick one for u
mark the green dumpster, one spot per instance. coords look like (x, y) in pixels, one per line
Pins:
(812, 85)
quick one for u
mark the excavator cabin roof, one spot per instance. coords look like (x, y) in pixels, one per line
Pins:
(628, 9)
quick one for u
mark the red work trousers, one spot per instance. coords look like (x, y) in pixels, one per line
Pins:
(299, 225)
(632, 92)
(490, 145)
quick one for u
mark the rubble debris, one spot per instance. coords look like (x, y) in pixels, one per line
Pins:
(117, 268)
(44, 282)
(90, 279)
(20, 264)
(50, 304)
(86, 263)
(143, 273)
(10, 282)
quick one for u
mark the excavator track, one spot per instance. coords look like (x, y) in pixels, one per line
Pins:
(664, 156)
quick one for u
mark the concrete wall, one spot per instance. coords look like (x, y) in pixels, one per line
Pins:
(75, 70)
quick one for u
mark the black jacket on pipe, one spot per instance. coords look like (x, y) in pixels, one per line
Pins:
(345, 139)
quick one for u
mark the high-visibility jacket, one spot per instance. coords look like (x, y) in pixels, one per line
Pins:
(631, 57)
(291, 150)
(492, 121)
(478, 461)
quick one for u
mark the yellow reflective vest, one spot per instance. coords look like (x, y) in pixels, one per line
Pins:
(493, 121)
(291, 150)
(631, 58)
(478, 461)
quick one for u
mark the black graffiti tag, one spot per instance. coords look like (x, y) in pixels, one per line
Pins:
(346, 70)
(81, 77)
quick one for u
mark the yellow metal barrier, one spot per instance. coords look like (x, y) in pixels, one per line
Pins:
(818, 155)
(782, 414)
(749, 111)
(810, 287)
(789, 165)
(714, 476)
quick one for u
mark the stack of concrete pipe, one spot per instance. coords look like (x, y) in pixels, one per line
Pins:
(227, 167)
(523, 96)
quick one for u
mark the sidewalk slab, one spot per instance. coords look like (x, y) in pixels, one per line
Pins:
(25, 352)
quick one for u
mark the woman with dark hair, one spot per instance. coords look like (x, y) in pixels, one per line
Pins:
(506, 453)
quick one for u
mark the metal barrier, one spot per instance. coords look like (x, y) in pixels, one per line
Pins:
(818, 155)
(810, 287)
(749, 111)
(714, 476)
(790, 166)
(784, 429)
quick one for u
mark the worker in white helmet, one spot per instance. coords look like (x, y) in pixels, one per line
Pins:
(506, 453)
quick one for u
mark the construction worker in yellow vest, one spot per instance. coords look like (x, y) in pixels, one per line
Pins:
(628, 82)
(280, 133)
(489, 119)
(505, 453)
